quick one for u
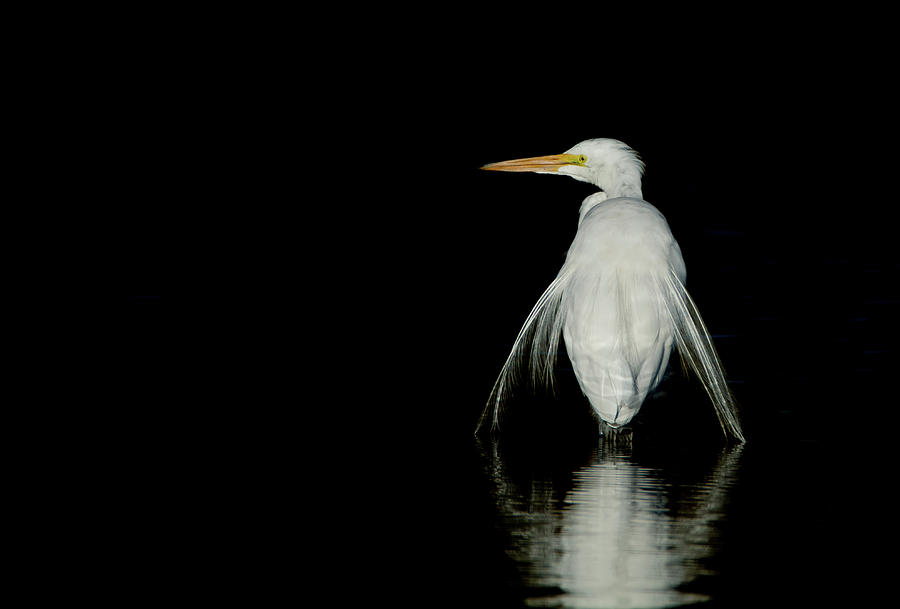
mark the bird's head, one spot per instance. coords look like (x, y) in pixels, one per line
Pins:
(606, 163)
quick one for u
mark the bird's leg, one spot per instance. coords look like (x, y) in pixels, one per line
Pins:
(616, 435)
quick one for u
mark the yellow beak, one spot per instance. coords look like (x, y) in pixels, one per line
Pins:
(543, 164)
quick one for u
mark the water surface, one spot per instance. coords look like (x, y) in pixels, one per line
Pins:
(624, 530)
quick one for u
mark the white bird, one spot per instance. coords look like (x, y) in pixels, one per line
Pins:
(619, 299)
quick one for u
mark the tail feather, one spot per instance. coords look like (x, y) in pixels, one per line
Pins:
(698, 352)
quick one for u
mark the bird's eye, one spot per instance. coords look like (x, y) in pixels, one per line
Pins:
(582, 159)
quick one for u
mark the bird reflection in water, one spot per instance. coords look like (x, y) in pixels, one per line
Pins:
(621, 529)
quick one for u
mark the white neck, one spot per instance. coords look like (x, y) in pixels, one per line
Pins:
(622, 180)
(625, 189)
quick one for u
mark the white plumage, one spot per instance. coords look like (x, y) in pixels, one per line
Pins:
(619, 299)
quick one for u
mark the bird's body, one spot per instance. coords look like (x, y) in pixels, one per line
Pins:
(619, 300)
(617, 331)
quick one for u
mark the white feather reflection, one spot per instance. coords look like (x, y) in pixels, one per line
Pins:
(616, 533)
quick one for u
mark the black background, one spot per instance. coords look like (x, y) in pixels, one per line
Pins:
(307, 287)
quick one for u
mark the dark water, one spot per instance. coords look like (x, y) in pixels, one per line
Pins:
(678, 522)
(624, 529)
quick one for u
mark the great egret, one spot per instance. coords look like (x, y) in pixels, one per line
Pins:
(619, 299)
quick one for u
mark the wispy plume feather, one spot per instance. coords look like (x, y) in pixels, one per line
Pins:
(537, 345)
(543, 329)
(697, 352)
